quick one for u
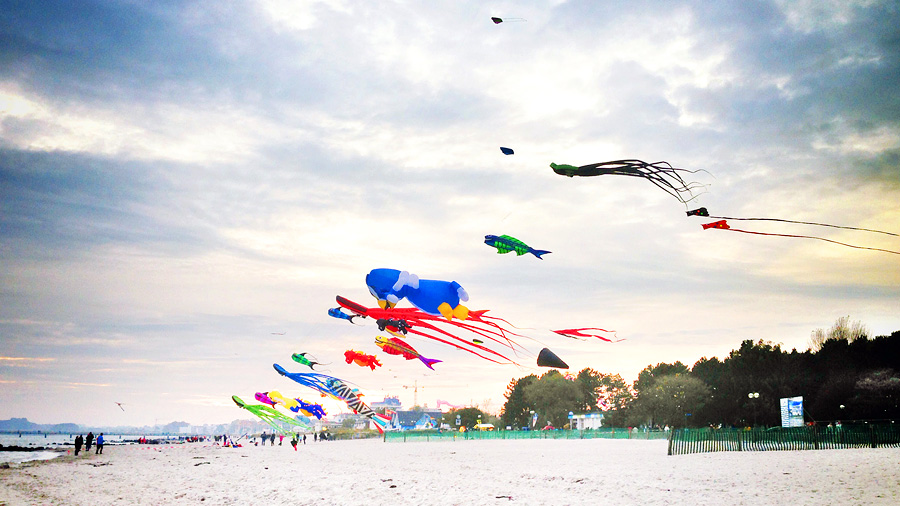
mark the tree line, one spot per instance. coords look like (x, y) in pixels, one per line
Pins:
(844, 376)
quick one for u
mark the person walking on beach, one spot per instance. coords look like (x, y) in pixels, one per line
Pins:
(88, 441)
(304, 439)
(280, 439)
(294, 441)
(272, 439)
(99, 444)
(78, 442)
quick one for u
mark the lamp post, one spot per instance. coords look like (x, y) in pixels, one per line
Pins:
(753, 396)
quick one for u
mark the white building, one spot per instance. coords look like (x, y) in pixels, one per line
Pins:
(586, 421)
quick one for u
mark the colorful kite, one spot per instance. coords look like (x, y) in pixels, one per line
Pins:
(263, 397)
(396, 346)
(337, 389)
(661, 174)
(430, 326)
(269, 415)
(302, 359)
(311, 408)
(722, 224)
(506, 243)
(336, 312)
(361, 359)
(585, 332)
(434, 297)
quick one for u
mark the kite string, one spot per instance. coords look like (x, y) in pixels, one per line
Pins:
(811, 237)
(805, 223)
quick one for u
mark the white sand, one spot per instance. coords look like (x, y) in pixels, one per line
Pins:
(597, 471)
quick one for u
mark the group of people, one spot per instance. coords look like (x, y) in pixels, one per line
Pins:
(87, 441)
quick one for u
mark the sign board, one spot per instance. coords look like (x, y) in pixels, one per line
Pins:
(792, 411)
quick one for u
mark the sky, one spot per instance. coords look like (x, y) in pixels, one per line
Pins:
(185, 186)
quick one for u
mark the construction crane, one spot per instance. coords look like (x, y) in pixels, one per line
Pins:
(415, 388)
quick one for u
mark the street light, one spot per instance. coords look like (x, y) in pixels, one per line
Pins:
(751, 396)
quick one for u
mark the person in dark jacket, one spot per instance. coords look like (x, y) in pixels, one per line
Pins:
(88, 441)
(78, 442)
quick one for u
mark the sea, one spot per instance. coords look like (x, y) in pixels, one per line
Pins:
(57, 444)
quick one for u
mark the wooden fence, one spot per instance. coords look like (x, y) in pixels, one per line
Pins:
(684, 441)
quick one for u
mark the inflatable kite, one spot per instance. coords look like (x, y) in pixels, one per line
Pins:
(547, 358)
(587, 332)
(430, 296)
(497, 20)
(336, 388)
(361, 359)
(722, 224)
(263, 397)
(396, 346)
(661, 174)
(336, 312)
(422, 324)
(269, 415)
(505, 244)
(301, 358)
(311, 409)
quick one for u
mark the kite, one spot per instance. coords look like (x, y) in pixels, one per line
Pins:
(120, 405)
(361, 359)
(290, 404)
(723, 225)
(299, 405)
(396, 346)
(497, 20)
(547, 358)
(506, 243)
(426, 325)
(336, 388)
(311, 409)
(507, 151)
(445, 403)
(300, 358)
(430, 296)
(583, 332)
(336, 312)
(661, 174)
(264, 398)
(269, 415)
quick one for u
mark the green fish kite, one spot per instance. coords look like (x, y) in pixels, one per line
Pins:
(505, 244)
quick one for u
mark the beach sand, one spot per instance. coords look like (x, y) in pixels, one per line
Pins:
(539, 472)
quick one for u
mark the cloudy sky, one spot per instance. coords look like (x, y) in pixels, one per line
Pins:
(183, 181)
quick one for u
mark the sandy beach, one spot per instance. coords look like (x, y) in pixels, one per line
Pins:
(597, 471)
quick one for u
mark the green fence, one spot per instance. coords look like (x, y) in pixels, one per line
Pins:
(433, 435)
(684, 441)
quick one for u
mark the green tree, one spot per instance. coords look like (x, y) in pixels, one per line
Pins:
(589, 383)
(468, 416)
(671, 400)
(615, 397)
(553, 396)
(516, 411)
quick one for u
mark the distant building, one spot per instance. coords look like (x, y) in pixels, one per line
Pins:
(587, 421)
(389, 402)
(416, 420)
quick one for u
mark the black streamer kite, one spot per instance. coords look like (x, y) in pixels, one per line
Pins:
(662, 174)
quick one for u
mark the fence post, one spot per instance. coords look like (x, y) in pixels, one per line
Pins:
(872, 436)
